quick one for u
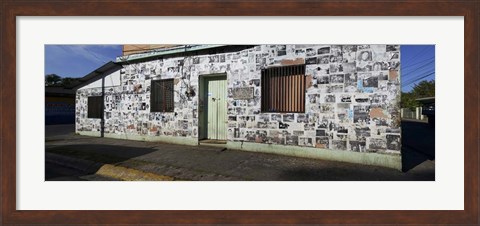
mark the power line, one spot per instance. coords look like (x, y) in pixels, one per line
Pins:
(420, 78)
(416, 76)
(420, 66)
(419, 69)
(421, 53)
(88, 51)
(95, 55)
(403, 68)
(64, 48)
(418, 73)
(410, 66)
(409, 59)
(413, 84)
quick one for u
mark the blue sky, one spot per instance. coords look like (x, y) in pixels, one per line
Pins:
(417, 64)
(78, 60)
(417, 61)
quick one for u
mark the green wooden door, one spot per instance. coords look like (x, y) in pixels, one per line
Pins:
(217, 109)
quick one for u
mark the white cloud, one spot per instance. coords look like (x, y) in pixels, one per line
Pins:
(89, 52)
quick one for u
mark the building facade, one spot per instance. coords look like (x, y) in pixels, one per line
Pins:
(336, 102)
(59, 106)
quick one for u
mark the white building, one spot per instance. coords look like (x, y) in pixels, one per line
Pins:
(336, 102)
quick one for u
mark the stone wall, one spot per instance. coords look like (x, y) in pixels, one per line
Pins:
(352, 97)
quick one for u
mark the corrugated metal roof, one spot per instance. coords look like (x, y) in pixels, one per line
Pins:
(164, 51)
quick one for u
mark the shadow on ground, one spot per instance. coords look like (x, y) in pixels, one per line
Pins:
(352, 174)
(59, 130)
(74, 157)
(74, 162)
(333, 174)
(418, 144)
(103, 153)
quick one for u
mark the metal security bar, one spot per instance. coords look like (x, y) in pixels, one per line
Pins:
(161, 97)
(283, 89)
(95, 107)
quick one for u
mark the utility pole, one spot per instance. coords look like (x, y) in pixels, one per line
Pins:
(102, 120)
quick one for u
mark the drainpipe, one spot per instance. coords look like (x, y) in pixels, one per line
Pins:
(102, 120)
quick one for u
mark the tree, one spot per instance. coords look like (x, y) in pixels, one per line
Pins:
(52, 80)
(408, 101)
(69, 82)
(424, 89)
(55, 80)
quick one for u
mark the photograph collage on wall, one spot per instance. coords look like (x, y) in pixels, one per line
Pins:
(351, 97)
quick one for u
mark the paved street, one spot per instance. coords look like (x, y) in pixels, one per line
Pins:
(58, 172)
(206, 163)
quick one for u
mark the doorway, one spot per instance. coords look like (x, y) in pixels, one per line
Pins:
(213, 108)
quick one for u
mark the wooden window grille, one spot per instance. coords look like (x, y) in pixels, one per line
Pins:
(283, 89)
(95, 107)
(161, 96)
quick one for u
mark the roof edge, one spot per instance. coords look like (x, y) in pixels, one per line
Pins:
(98, 73)
(163, 52)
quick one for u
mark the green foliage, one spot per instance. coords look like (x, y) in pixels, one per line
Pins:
(67, 82)
(52, 80)
(55, 80)
(408, 101)
(422, 89)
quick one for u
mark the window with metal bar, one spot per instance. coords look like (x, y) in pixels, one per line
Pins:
(95, 107)
(283, 89)
(161, 96)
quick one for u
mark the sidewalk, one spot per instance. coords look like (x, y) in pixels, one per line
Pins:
(207, 163)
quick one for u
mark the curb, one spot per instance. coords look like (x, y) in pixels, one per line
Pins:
(105, 170)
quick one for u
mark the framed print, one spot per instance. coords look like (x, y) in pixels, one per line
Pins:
(265, 29)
